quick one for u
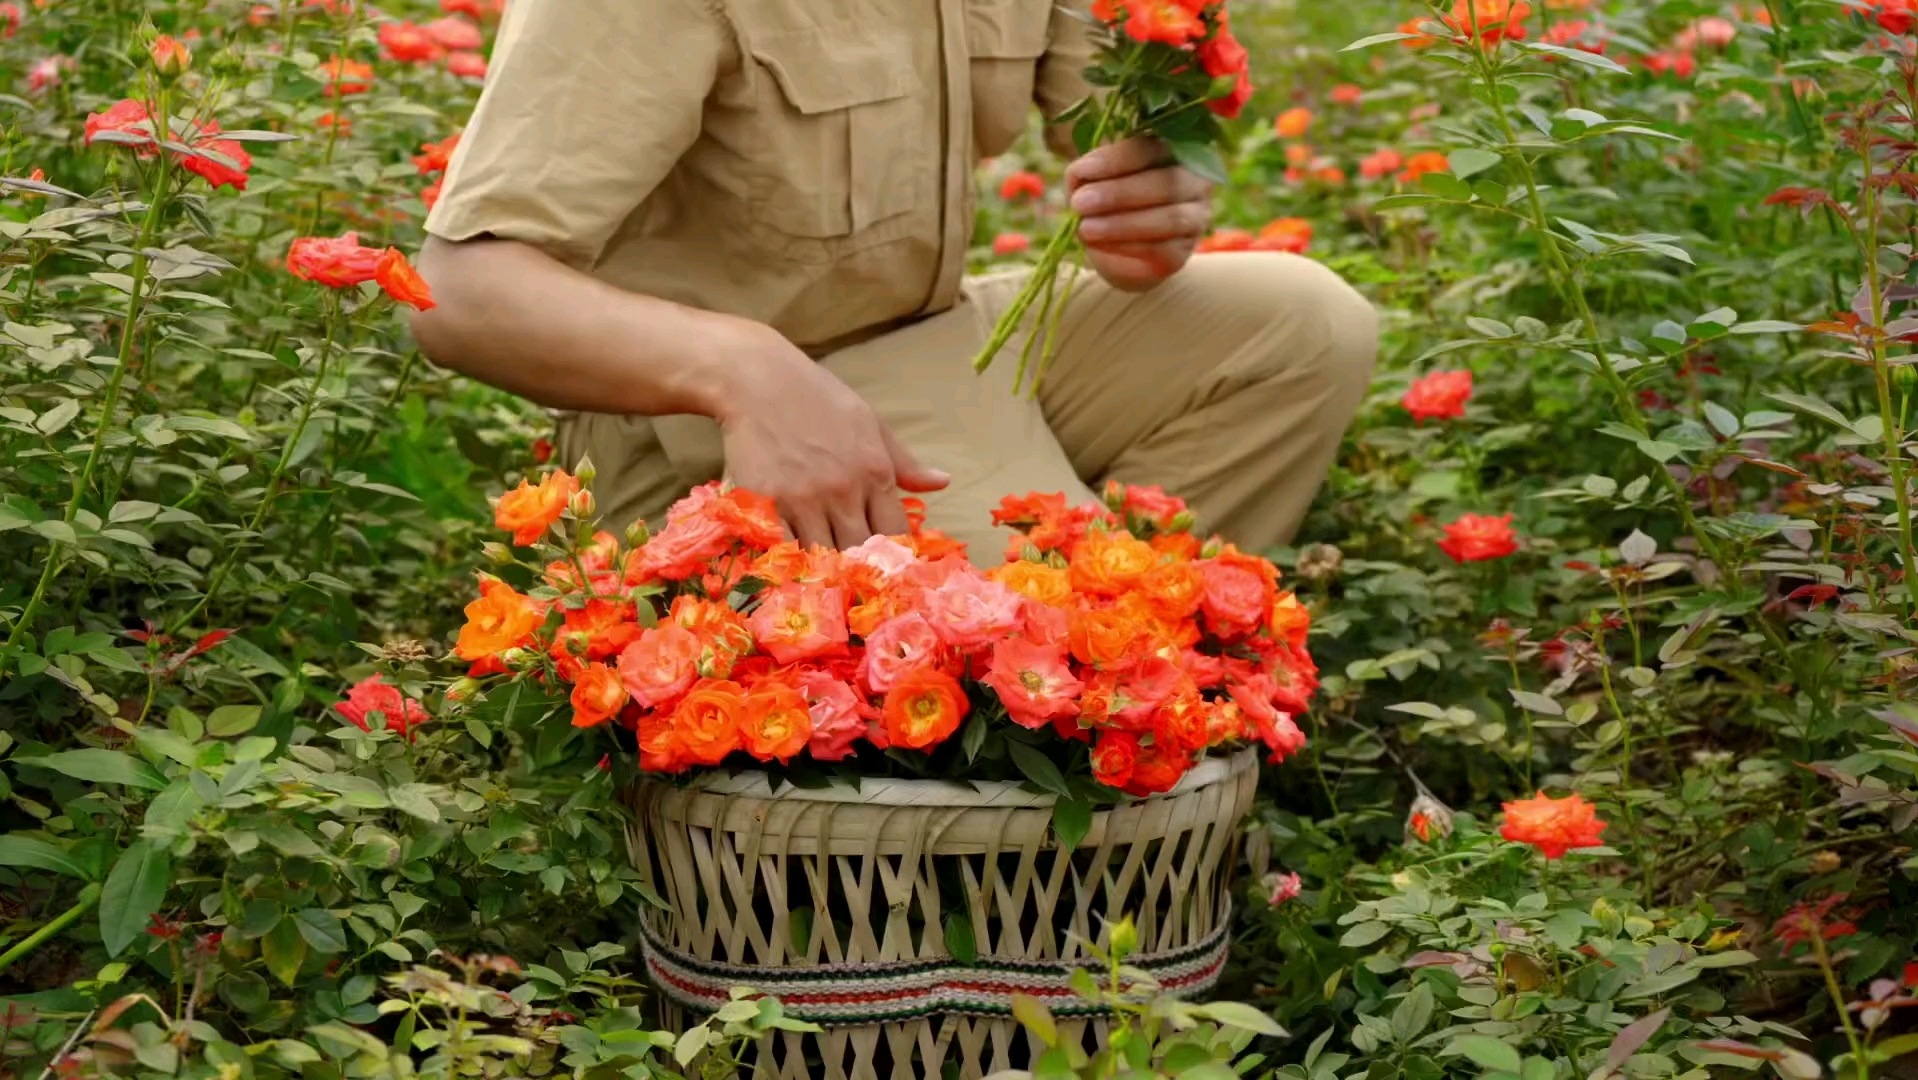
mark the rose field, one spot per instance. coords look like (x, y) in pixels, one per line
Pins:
(333, 719)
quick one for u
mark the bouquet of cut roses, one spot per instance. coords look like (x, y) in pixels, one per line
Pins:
(1108, 653)
(1165, 68)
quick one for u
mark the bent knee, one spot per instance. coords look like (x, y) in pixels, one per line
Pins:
(1312, 326)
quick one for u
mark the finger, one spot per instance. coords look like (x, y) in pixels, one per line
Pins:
(1140, 191)
(887, 514)
(1179, 221)
(907, 472)
(1115, 159)
(808, 525)
(849, 525)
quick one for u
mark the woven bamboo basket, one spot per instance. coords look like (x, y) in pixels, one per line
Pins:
(836, 901)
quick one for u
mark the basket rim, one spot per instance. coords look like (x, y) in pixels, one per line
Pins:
(890, 791)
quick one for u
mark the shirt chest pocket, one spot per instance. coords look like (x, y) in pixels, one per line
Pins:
(1005, 39)
(843, 145)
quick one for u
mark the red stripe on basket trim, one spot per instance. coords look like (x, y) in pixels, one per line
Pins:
(903, 997)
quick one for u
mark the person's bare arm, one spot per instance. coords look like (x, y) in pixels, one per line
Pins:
(509, 315)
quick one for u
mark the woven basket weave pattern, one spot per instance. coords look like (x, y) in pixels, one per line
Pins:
(735, 863)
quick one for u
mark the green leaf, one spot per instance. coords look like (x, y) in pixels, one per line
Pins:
(101, 767)
(1364, 934)
(1245, 1017)
(1446, 186)
(38, 854)
(1806, 403)
(1039, 769)
(1033, 1015)
(960, 941)
(1579, 56)
(230, 720)
(1071, 821)
(1489, 1053)
(1471, 161)
(284, 950)
(322, 929)
(135, 888)
(1200, 158)
(1377, 39)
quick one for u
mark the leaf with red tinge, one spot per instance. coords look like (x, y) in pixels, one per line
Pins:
(1634, 1035)
(208, 641)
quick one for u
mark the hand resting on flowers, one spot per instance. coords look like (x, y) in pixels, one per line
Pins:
(792, 430)
(1142, 215)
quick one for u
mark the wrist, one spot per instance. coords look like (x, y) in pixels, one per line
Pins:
(735, 358)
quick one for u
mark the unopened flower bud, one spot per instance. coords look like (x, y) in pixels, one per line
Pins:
(227, 62)
(583, 504)
(1181, 522)
(585, 472)
(462, 689)
(577, 643)
(1124, 938)
(514, 657)
(1211, 548)
(1606, 916)
(497, 552)
(1429, 818)
(1319, 561)
(637, 534)
(1905, 376)
(1031, 553)
(1115, 496)
(1825, 862)
(170, 57)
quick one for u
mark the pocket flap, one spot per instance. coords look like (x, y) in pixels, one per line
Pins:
(1007, 29)
(820, 73)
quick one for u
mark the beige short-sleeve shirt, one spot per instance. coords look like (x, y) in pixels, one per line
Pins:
(803, 163)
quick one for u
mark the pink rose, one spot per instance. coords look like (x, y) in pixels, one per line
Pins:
(882, 553)
(834, 707)
(897, 646)
(1034, 682)
(969, 612)
(661, 665)
(373, 695)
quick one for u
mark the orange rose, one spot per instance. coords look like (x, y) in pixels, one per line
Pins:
(924, 708)
(1037, 581)
(706, 723)
(1173, 589)
(1157, 768)
(1109, 563)
(1554, 826)
(528, 511)
(776, 723)
(1178, 546)
(499, 620)
(401, 281)
(597, 695)
(1103, 637)
(659, 744)
(1290, 620)
(660, 665)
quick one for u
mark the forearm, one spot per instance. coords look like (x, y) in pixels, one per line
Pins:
(509, 315)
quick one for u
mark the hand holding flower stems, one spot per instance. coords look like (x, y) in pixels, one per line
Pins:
(1159, 61)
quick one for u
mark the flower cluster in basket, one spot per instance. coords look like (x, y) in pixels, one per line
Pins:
(1108, 653)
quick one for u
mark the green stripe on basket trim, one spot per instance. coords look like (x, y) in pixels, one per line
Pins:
(901, 968)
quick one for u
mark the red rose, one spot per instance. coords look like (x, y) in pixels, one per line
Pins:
(1478, 537)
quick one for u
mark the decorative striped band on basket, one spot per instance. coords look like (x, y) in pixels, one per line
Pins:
(846, 994)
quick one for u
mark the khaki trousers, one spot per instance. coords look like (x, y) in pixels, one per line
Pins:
(1230, 385)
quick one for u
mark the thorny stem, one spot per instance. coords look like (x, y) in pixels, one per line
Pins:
(1565, 279)
(1837, 993)
(88, 897)
(273, 482)
(1881, 374)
